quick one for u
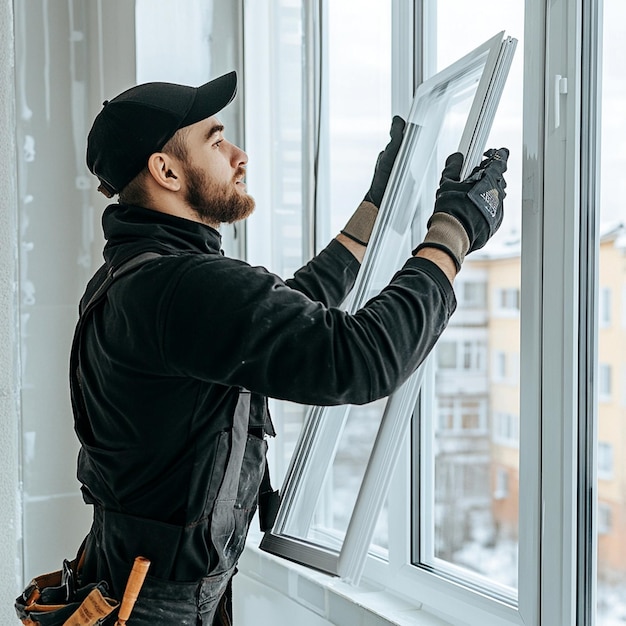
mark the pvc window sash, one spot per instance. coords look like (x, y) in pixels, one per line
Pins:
(484, 70)
(560, 284)
(556, 583)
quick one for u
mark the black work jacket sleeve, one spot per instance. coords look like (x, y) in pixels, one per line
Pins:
(328, 277)
(226, 322)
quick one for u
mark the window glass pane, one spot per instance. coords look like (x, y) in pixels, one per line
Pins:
(324, 434)
(274, 143)
(475, 521)
(358, 121)
(611, 409)
(343, 481)
(359, 105)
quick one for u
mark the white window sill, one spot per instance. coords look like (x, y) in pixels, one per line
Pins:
(329, 597)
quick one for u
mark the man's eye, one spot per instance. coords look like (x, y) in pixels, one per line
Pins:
(217, 143)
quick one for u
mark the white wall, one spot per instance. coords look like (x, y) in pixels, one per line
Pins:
(55, 71)
(69, 58)
(10, 515)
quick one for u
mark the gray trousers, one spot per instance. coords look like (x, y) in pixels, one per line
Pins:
(166, 603)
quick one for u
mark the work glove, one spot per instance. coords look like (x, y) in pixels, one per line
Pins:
(385, 161)
(467, 212)
(360, 225)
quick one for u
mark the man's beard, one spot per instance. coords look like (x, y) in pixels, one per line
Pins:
(213, 202)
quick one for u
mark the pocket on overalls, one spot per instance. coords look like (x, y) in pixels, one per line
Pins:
(231, 517)
(126, 536)
(211, 599)
(167, 603)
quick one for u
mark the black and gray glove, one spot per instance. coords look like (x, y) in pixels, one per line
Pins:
(467, 212)
(385, 161)
(360, 225)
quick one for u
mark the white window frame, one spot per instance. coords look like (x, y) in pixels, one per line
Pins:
(549, 355)
(554, 436)
(555, 73)
(325, 423)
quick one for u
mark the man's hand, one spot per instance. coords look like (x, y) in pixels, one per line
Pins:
(385, 161)
(360, 225)
(467, 212)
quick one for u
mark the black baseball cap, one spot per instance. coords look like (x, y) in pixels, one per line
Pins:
(142, 119)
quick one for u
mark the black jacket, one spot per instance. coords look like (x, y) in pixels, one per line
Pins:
(163, 358)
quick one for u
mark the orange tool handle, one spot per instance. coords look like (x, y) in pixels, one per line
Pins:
(133, 587)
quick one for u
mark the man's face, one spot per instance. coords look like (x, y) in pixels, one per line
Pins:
(214, 170)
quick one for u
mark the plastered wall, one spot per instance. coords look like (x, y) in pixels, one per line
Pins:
(10, 518)
(58, 62)
(69, 56)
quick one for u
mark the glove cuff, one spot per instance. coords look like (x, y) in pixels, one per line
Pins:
(360, 225)
(438, 246)
(447, 233)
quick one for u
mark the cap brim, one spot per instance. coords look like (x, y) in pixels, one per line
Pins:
(211, 98)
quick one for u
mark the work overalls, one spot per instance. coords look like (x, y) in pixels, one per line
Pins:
(116, 539)
(227, 484)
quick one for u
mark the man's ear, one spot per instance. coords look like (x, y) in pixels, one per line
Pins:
(165, 171)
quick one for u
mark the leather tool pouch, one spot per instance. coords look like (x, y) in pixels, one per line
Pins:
(55, 599)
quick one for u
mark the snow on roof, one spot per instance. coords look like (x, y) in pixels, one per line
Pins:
(615, 231)
(508, 245)
(502, 246)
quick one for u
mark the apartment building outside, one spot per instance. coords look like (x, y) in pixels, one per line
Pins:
(478, 400)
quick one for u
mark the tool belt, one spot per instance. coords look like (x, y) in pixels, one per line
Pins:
(55, 599)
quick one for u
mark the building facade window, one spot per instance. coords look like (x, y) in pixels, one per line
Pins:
(604, 307)
(506, 429)
(605, 518)
(501, 489)
(465, 355)
(605, 460)
(461, 415)
(472, 295)
(605, 384)
(499, 365)
(507, 301)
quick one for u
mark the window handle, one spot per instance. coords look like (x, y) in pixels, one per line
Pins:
(560, 88)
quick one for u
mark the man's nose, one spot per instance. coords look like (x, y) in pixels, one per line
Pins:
(239, 157)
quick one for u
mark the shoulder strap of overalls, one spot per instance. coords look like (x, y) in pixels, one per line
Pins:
(112, 275)
(78, 401)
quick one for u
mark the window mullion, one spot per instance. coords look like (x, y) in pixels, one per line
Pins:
(559, 405)
(314, 119)
(531, 329)
(590, 202)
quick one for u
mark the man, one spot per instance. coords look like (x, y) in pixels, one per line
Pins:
(173, 368)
